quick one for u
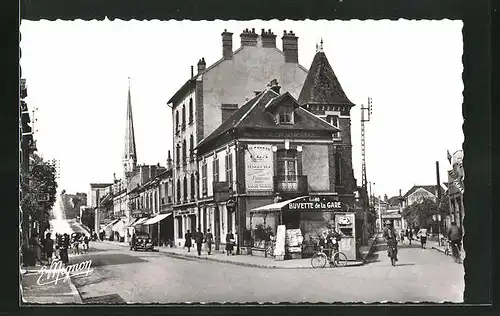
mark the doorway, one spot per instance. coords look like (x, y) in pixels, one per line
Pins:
(217, 226)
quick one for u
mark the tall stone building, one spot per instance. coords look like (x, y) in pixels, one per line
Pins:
(208, 98)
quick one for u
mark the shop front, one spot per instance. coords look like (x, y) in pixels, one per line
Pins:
(306, 220)
(160, 236)
(184, 220)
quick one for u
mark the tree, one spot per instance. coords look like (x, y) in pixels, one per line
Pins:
(38, 194)
(421, 213)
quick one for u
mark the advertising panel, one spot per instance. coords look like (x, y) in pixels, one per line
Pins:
(259, 168)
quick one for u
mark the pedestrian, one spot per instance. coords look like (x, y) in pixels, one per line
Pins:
(402, 233)
(198, 238)
(422, 233)
(86, 241)
(229, 243)
(76, 245)
(188, 242)
(409, 235)
(38, 249)
(390, 237)
(56, 253)
(49, 248)
(132, 241)
(209, 240)
(454, 235)
(64, 246)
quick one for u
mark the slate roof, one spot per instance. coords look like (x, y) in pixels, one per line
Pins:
(430, 188)
(321, 85)
(255, 114)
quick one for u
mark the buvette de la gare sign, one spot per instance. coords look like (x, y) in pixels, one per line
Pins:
(315, 204)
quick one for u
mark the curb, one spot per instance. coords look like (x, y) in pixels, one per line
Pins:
(251, 265)
(372, 247)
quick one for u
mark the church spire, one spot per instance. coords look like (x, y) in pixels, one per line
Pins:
(130, 153)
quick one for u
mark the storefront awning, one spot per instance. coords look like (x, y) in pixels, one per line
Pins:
(275, 207)
(156, 219)
(132, 222)
(140, 221)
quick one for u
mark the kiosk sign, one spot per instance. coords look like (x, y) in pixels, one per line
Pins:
(318, 204)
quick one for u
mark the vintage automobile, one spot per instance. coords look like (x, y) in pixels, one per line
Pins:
(143, 241)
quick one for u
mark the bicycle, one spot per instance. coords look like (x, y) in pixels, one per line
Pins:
(319, 259)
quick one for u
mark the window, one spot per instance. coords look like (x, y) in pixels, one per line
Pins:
(338, 169)
(229, 168)
(333, 120)
(178, 190)
(162, 201)
(183, 116)
(192, 187)
(205, 220)
(204, 179)
(190, 110)
(177, 155)
(287, 163)
(191, 147)
(176, 121)
(286, 115)
(185, 188)
(184, 156)
(216, 169)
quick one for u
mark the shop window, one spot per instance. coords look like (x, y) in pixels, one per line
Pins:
(192, 187)
(285, 115)
(229, 168)
(190, 110)
(180, 233)
(287, 163)
(338, 169)
(193, 223)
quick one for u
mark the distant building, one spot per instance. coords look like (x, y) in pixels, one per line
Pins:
(419, 192)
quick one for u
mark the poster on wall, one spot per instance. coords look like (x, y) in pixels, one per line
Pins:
(259, 168)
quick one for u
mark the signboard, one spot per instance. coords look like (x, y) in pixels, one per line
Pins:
(185, 212)
(315, 204)
(259, 168)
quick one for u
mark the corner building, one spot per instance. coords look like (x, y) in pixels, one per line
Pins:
(212, 95)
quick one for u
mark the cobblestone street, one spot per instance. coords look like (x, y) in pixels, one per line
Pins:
(121, 276)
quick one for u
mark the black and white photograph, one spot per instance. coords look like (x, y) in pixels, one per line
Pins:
(241, 161)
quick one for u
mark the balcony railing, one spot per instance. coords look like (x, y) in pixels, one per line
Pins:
(290, 184)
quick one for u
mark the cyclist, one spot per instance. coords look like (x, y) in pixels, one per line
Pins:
(454, 234)
(390, 237)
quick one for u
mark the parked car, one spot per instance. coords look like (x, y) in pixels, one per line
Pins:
(143, 241)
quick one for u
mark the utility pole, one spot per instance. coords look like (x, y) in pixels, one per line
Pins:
(438, 188)
(364, 182)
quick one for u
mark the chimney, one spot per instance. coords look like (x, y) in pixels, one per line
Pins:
(268, 39)
(249, 37)
(290, 47)
(227, 44)
(273, 85)
(169, 161)
(192, 71)
(201, 65)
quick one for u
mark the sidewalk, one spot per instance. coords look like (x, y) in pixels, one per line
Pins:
(435, 245)
(33, 293)
(242, 260)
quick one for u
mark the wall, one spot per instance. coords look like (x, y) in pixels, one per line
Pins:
(315, 166)
(249, 70)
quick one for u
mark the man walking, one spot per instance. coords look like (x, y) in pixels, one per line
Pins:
(187, 240)
(198, 238)
(209, 238)
(454, 234)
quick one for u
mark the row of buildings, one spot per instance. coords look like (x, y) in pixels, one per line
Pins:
(253, 128)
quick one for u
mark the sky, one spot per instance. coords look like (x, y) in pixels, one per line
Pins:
(77, 77)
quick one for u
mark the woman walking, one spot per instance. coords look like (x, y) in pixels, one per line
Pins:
(422, 233)
(49, 248)
(229, 243)
(188, 243)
